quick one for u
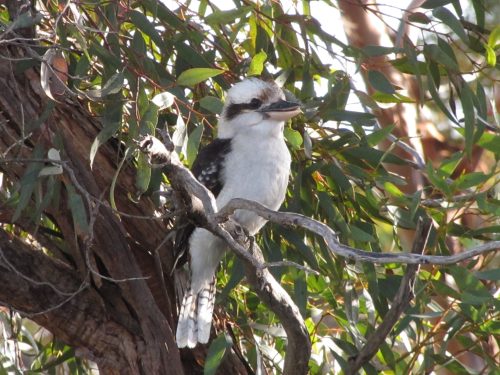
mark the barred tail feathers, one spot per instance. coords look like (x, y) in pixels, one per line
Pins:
(195, 317)
(206, 302)
(186, 326)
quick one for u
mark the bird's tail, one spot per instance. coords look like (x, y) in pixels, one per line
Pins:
(195, 316)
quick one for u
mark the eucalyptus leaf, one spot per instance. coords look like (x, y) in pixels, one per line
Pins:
(194, 76)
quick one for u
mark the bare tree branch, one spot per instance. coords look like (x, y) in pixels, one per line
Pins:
(324, 231)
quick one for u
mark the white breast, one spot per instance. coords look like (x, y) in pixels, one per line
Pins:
(256, 169)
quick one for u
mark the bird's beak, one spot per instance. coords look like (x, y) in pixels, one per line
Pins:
(281, 110)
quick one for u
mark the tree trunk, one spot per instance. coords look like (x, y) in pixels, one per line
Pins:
(99, 291)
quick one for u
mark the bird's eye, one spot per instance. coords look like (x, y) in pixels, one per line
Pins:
(255, 103)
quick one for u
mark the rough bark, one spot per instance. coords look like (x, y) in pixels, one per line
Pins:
(127, 327)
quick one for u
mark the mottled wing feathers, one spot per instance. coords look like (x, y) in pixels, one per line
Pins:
(207, 168)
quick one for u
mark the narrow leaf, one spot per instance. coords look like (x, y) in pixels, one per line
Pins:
(379, 135)
(216, 353)
(434, 52)
(143, 176)
(78, 211)
(491, 56)
(111, 123)
(212, 104)
(28, 182)
(380, 82)
(466, 97)
(257, 64)
(113, 85)
(294, 138)
(143, 23)
(451, 21)
(194, 76)
(193, 144)
(227, 16)
(431, 4)
(494, 38)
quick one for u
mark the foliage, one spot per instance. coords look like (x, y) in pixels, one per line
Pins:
(144, 66)
(25, 345)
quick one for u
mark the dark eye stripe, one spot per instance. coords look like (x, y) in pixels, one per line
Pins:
(236, 108)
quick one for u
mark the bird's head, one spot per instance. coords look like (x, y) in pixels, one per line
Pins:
(255, 106)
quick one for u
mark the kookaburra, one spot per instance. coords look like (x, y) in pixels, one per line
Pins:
(248, 159)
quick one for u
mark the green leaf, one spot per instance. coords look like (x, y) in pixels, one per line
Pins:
(300, 293)
(451, 21)
(28, 182)
(349, 116)
(380, 82)
(144, 24)
(381, 97)
(308, 145)
(342, 183)
(409, 66)
(295, 239)
(180, 136)
(448, 165)
(237, 273)
(257, 64)
(194, 76)
(188, 54)
(472, 290)
(293, 137)
(372, 51)
(470, 180)
(216, 353)
(78, 211)
(149, 120)
(393, 190)
(494, 38)
(360, 235)
(435, 95)
(466, 97)
(437, 55)
(410, 52)
(490, 142)
(419, 17)
(491, 56)
(493, 274)
(143, 176)
(379, 135)
(111, 122)
(112, 86)
(431, 4)
(212, 104)
(333, 214)
(227, 16)
(164, 100)
(437, 179)
(193, 144)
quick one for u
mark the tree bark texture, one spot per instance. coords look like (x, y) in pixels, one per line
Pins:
(123, 318)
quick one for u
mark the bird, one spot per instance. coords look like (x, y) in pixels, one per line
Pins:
(248, 159)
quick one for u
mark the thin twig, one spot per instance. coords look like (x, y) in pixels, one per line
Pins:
(399, 304)
(289, 263)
